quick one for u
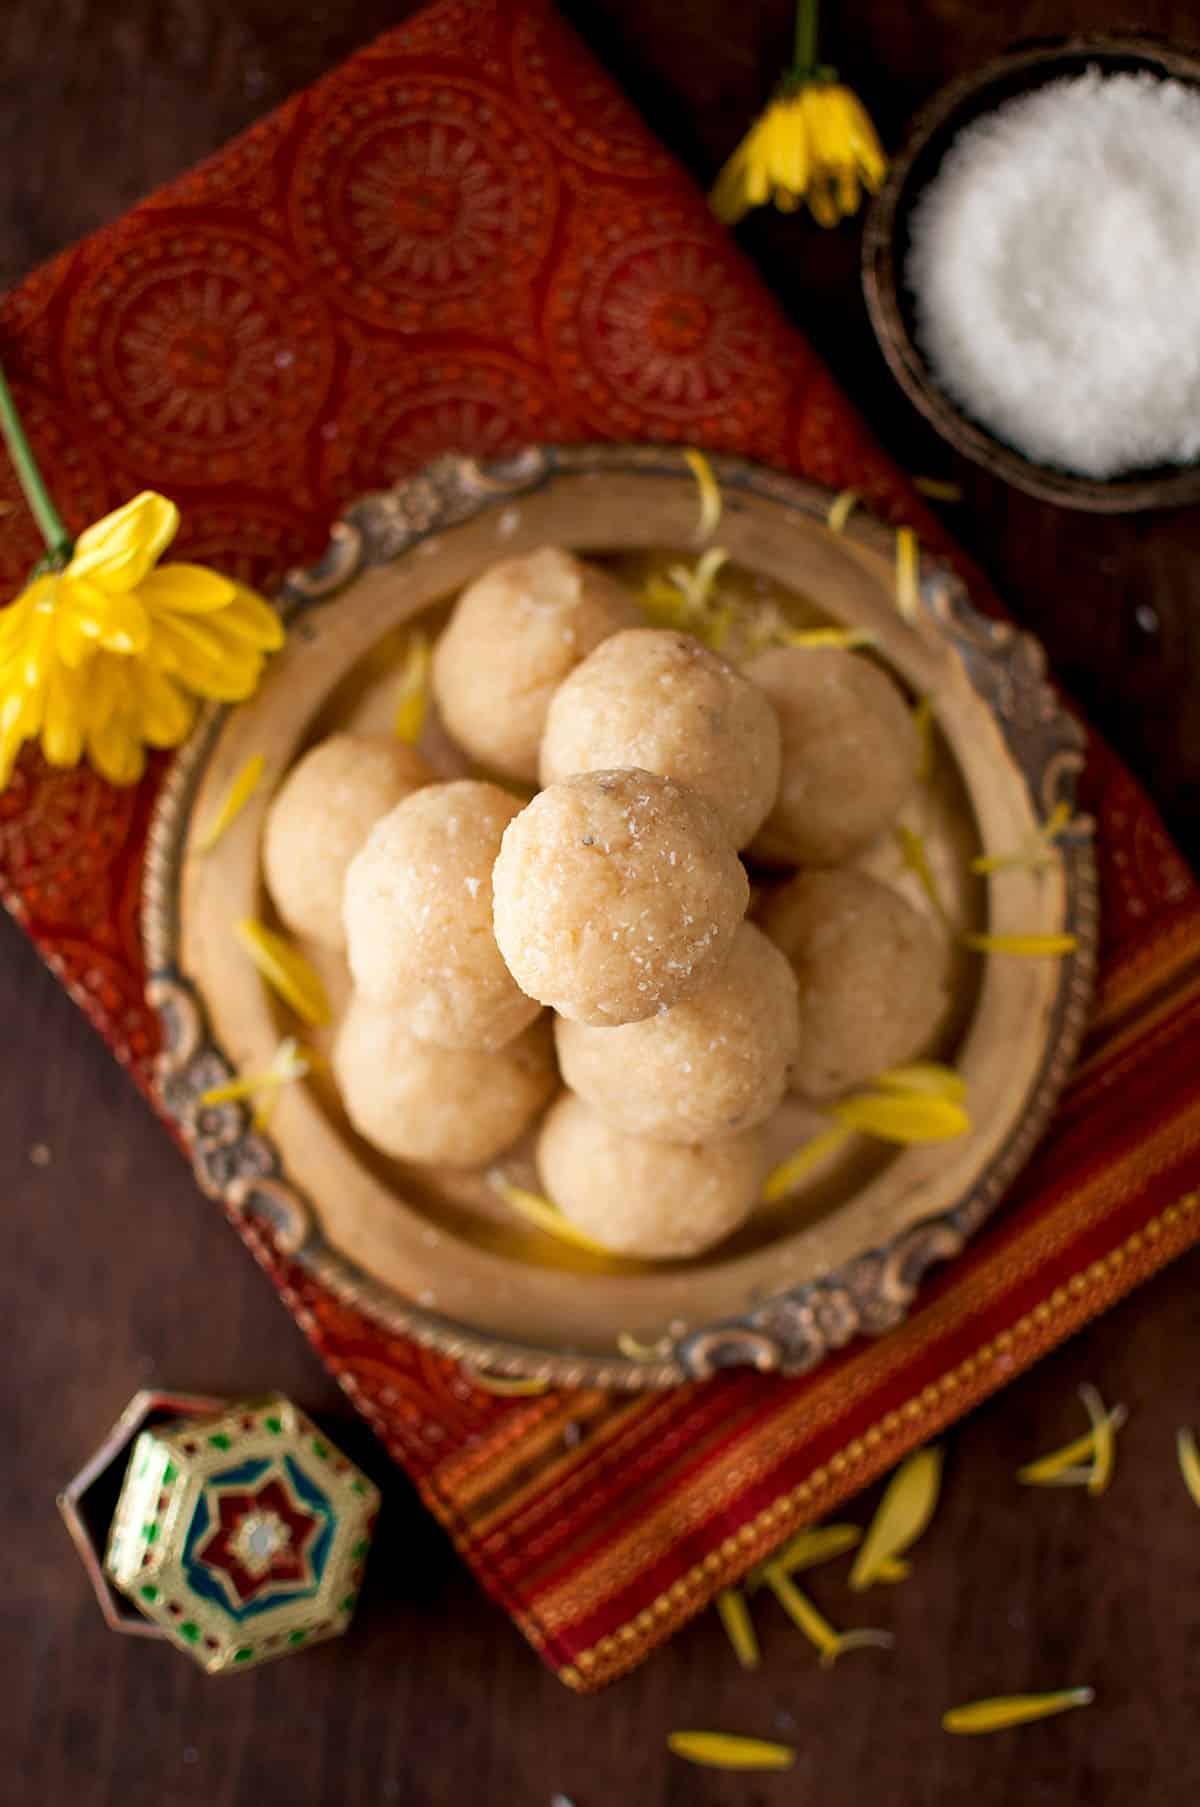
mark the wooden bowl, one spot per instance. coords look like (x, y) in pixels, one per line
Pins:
(435, 1254)
(885, 255)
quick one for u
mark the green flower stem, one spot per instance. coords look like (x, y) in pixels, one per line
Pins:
(33, 485)
(805, 55)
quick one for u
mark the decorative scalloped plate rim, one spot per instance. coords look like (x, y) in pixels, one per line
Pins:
(789, 1331)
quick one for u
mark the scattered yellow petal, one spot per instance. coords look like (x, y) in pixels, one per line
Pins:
(1033, 947)
(807, 1549)
(412, 695)
(236, 799)
(710, 493)
(840, 510)
(637, 1351)
(1007, 1710)
(924, 1076)
(739, 1627)
(816, 1627)
(892, 1569)
(541, 1212)
(508, 1386)
(904, 1511)
(904, 1117)
(784, 1178)
(289, 1061)
(1104, 1443)
(923, 723)
(1189, 1461)
(908, 574)
(726, 1750)
(847, 638)
(912, 851)
(937, 489)
(1037, 852)
(285, 970)
(1060, 1467)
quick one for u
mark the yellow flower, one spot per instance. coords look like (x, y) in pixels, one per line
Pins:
(110, 655)
(814, 143)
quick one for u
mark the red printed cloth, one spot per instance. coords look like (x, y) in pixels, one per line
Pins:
(465, 239)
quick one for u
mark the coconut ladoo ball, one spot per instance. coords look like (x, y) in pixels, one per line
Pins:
(617, 894)
(515, 634)
(850, 754)
(713, 1066)
(653, 1200)
(873, 977)
(457, 1107)
(660, 700)
(418, 907)
(319, 818)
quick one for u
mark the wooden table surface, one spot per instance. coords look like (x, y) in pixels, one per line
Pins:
(115, 1273)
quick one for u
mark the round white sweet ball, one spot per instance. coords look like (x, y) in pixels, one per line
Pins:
(873, 977)
(658, 699)
(319, 818)
(617, 894)
(653, 1200)
(710, 1067)
(457, 1107)
(514, 635)
(850, 754)
(419, 917)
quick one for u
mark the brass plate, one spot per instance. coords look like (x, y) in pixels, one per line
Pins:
(436, 1256)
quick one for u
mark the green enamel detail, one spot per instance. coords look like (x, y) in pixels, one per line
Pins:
(297, 1637)
(360, 1549)
(357, 1487)
(274, 1425)
(243, 1655)
(150, 1532)
(149, 1592)
(189, 1631)
(169, 1474)
(347, 1605)
(320, 1449)
(219, 1440)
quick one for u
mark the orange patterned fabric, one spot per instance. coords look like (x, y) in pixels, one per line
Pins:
(466, 239)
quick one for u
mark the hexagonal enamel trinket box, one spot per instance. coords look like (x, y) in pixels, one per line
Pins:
(243, 1536)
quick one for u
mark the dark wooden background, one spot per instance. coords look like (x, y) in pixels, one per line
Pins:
(115, 1274)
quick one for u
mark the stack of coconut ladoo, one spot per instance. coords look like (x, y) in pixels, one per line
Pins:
(616, 899)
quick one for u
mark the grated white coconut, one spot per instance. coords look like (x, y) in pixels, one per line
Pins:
(1055, 266)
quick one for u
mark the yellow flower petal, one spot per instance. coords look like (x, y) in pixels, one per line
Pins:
(739, 1626)
(113, 619)
(903, 1514)
(784, 1178)
(1033, 947)
(924, 1076)
(1104, 1443)
(249, 617)
(164, 712)
(63, 726)
(937, 489)
(726, 1750)
(204, 659)
(541, 1212)
(847, 638)
(1052, 1469)
(864, 144)
(1189, 1462)
(508, 1386)
(816, 1627)
(186, 589)
(807, 1549)
(710, 494)
(118, 551)
(285, 970)
(412, 704)
(244, 785)
(906, 1118)
(908, 574)
(840, 510)
(891, 1569)
(116, 752)
(1005, 1710)
(923, 722)
(912, 851)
